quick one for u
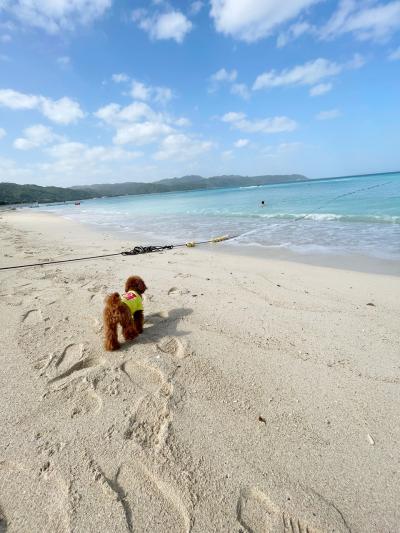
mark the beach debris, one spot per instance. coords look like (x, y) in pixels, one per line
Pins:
(370, 439)
(262, 419)
(371, 304)
(277, 285)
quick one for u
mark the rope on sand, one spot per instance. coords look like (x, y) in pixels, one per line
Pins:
(137, 250)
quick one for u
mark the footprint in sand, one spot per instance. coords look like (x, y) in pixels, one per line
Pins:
(150, 422)
(148, 378)
(155, 318)
(89, 484)
(33, 316)
(299, 512)
(173, 346)
(87, 402)
(154, 505)
(23, 490)
(70, 355)
(72, 363)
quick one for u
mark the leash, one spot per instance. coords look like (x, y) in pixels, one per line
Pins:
(137, 250)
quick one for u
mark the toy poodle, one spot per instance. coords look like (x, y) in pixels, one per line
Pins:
(126, 310)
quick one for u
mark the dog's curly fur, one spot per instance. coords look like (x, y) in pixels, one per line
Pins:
(116, 312)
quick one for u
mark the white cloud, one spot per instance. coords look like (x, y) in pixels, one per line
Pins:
(251, 20)
(5, 38)
(78, 152)
(161, 95)
(281, 149)
(55, 16)
(138, 123)
(14, 173)
(76, 162)
(310, 73)
(181, 147)
(3, 133)
(241, 89)
(328, 115)
(119, 78)
(266, 125)
(171, 25)
(368, 20)
(321, 88)
(15, 100)
(62, 111)
(395, 55)
(241, 143)
(224, 75)
(182, 122)
(141, 133)
(35, 136)
(233, 116)
(139, 91)
(227, 154)
(116, 115)
(221, 76)
(196, 7)
(295, 31)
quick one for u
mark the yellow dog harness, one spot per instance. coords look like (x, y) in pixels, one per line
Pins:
(133, 300)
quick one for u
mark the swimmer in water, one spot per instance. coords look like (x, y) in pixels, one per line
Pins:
(263, 203)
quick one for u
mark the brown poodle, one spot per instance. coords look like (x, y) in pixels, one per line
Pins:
(126, 310)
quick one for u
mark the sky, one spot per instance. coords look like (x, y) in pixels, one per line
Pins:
(102, 91)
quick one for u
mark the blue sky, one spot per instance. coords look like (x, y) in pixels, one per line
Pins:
(98, 91)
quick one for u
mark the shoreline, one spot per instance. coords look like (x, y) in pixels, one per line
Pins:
(354, 263)
(256, 391)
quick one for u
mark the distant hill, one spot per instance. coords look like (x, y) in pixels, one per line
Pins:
(11, 193)
(188, 183)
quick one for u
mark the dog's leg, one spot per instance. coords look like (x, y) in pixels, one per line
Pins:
(138, 319)
(111, 335)
(128, 325)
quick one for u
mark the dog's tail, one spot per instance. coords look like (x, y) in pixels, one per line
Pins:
(113, 300)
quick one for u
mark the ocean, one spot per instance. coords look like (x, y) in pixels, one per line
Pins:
(357, 216)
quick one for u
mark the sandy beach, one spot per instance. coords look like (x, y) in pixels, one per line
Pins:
(263, 395)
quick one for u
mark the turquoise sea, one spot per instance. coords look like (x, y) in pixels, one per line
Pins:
(313, 217)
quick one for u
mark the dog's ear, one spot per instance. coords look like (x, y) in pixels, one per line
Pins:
(112, 299)
(135, 283)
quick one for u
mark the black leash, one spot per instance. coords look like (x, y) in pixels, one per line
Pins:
(137, 250)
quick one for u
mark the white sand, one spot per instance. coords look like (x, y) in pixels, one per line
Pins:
(263, 396)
